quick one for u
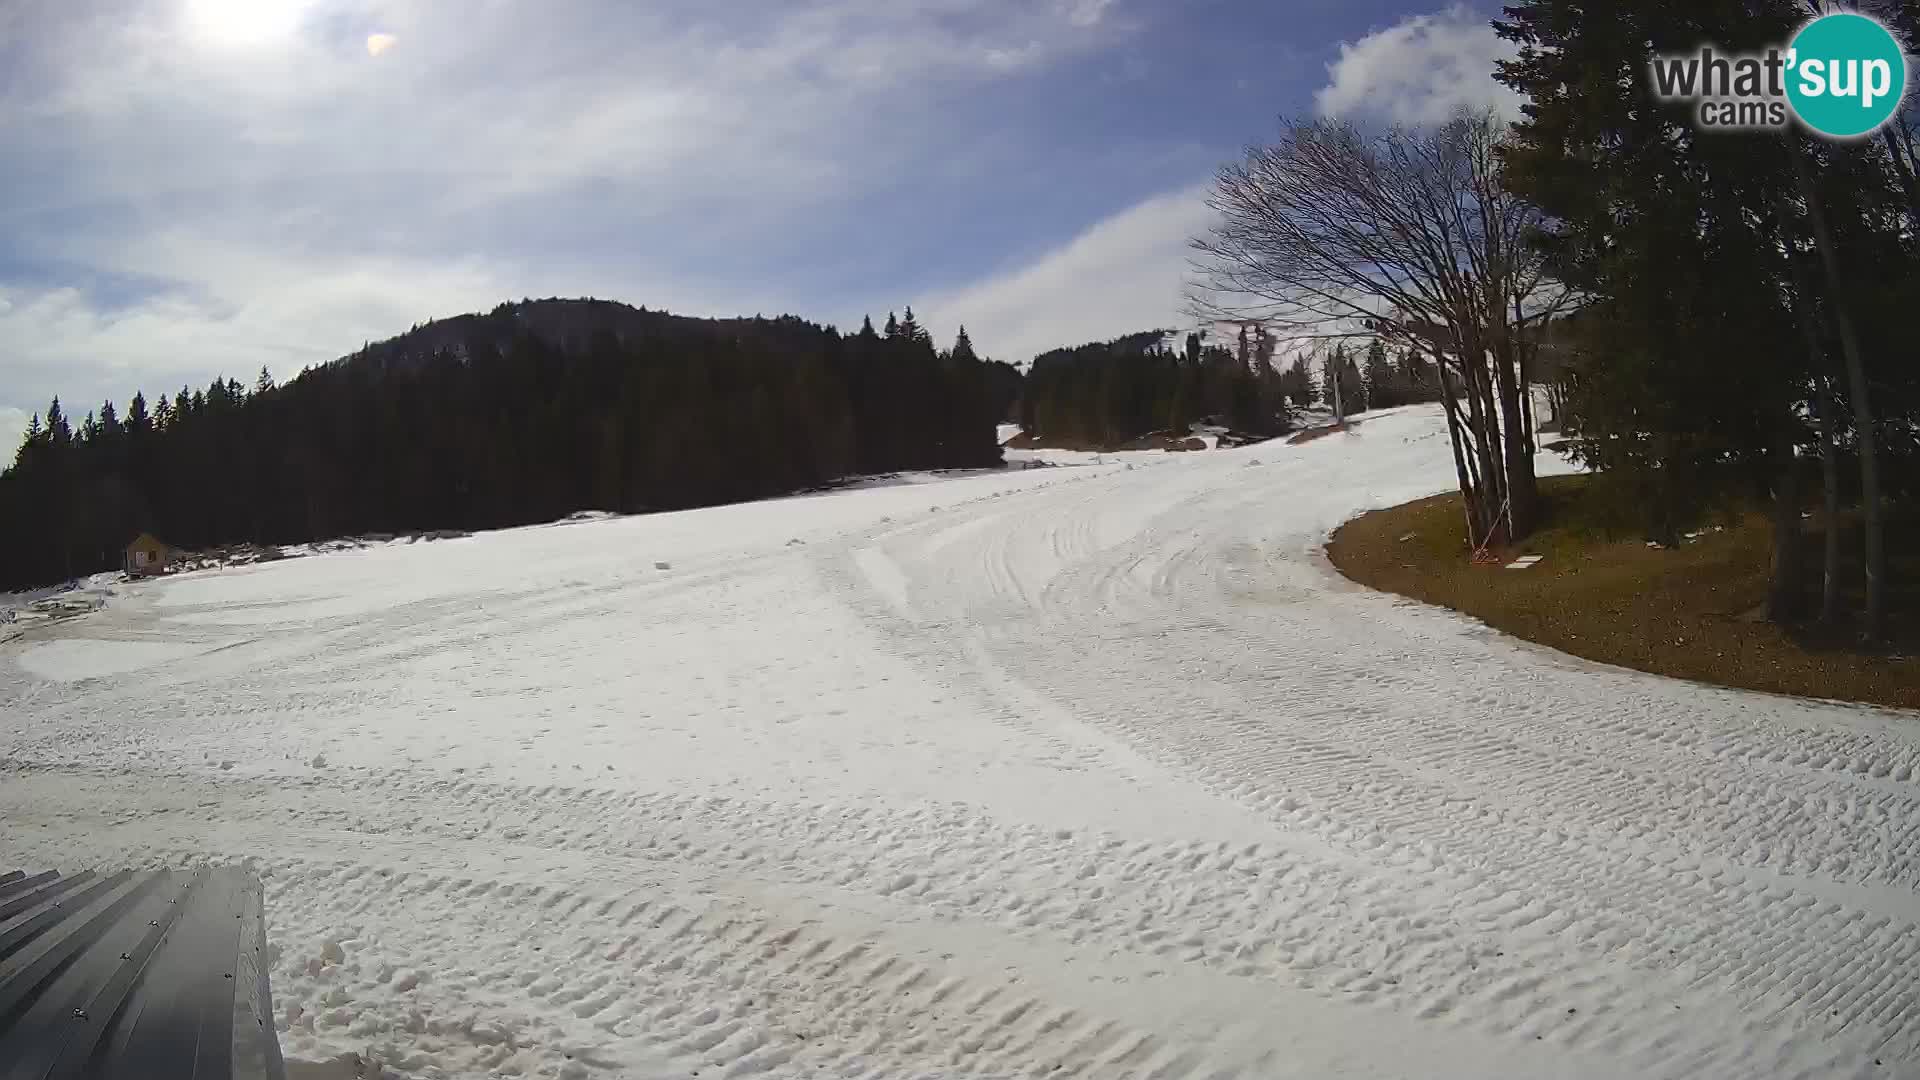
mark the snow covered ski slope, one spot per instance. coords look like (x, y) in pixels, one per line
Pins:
(1094, 772)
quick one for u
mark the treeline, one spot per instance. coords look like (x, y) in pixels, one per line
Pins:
(1372, 378)
(522, 415)
(1107, 393)
(1748, 314)
(1388, 380)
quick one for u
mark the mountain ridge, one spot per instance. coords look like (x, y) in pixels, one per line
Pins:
(570, 324)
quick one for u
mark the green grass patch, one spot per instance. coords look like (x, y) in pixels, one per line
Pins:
(1600, 592)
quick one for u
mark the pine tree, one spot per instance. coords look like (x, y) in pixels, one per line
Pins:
(1383, 387)
(264, 383)
(911, 330)
(1690, 369)
(1264, 345)
(893, 327)
(30, 442)
(962, 346)
(1173, 405)
(1299, 383)
(58, 432)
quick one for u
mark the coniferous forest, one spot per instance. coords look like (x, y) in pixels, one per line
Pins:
(522, 415)
(1101, 395)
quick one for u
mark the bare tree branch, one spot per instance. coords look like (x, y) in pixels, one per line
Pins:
(1407, 235)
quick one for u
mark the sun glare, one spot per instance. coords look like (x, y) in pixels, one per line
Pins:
(242, 23)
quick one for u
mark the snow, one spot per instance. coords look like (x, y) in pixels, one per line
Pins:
(22, 611)
(1092, 771)
(937, 476)
(72, 659)
(1094, 457)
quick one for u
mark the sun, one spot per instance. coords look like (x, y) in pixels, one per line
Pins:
(242, 23)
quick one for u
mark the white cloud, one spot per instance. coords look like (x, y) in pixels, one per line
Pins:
(185, 207)
(1008, 59)
(1419, 71)
(13, 428)
(237, 309)
(1124, 274)
(1088, 12)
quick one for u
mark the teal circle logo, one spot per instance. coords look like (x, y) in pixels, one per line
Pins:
(1846, 75)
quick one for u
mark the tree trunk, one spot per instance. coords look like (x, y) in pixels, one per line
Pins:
(1521, 488)
(1876, 558)
(1823, 401)
(1469, 497)
(1526, 397)
(1481, 424)
(1783, 587)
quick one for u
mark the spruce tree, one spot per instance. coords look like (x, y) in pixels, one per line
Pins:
(59, 433)
(31, 441)
(1383, 390)
(911, 330)
(1690, 369)
(962, 346)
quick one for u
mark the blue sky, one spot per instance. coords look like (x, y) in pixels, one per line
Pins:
(201, 187)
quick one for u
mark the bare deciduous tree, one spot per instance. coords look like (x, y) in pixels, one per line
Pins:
(1406, 234)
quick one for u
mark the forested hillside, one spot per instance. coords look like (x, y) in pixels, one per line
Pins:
(1103, 394)
(521, 415)
(1106, 394)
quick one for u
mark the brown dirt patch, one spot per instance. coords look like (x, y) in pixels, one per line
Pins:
(1687, 612)
(1311, 434)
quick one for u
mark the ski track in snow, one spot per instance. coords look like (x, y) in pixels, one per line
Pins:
(1095, 772)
